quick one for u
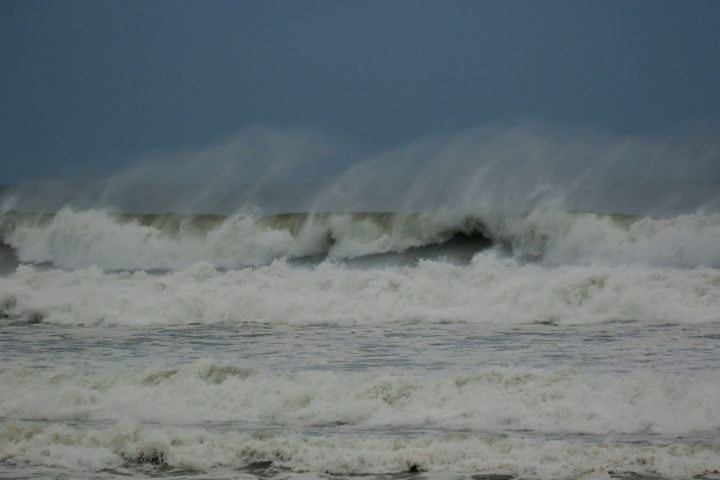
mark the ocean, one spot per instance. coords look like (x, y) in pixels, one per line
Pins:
(422, 345)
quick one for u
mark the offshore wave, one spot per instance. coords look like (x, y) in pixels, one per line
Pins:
(111, 241)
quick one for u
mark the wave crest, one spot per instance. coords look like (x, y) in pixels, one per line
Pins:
(70, 239)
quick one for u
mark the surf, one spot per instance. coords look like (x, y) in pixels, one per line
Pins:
(71, 239)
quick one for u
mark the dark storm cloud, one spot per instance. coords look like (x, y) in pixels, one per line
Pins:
(87, 85)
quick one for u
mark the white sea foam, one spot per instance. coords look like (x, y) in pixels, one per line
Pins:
(560, 238)
(95, 238)
(492, 289)
(88, 238)
(128, 442)
(492, 399)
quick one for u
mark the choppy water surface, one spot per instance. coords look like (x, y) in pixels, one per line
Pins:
(593, 353)
(274, 401)
(444, 349)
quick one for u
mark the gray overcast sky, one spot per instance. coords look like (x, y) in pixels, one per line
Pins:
(85, 85)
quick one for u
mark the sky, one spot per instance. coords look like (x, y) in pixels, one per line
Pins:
(88, 86)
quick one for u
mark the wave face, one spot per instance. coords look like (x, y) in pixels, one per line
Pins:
(71, 239)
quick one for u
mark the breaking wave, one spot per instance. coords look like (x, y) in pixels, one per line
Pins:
(492, 289)
(80, 239)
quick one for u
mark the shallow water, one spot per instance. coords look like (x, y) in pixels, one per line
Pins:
(286, 401)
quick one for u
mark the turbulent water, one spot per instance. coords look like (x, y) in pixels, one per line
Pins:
(540, 345)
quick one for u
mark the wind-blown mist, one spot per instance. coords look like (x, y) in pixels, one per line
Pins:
(513, 168)
(497, 167)
(541, 192)
(260, 166)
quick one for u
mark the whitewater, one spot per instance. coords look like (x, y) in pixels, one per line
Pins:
(540, 344)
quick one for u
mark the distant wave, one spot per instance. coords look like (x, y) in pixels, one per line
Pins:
(70, 239)
(111, 241)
